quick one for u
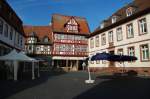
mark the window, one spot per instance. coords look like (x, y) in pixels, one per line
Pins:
(45, 39)
(129, 11)
(144, 52)
(98, 62)
(131, 51)
(11, 34)
(142, 26)
(103, 39)
(119, 34)
(30, 47)
(72, 26)
(42, 48)
(1, 27)
(37, 48)
(91, 43)
(63, 37)
(114, 19)
(102, 25)
(21, 40)
(77, 38)
(70, 37)
(110, 36)
(120, 51)
(6, 30)
(130, 33)
(18, 38)
(97, 41)
(57, 36)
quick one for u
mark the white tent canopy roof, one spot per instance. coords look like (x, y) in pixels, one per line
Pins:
(15, 56)
(27, 57)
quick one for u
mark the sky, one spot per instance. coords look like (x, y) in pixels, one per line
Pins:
(39, 12)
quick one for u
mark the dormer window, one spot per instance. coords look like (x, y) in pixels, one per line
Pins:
(129, 11)
(102, 25)
(45, 39)
(114, 19)
(72, 26)
(32, 37)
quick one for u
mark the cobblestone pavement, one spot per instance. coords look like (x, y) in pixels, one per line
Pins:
(71, 86)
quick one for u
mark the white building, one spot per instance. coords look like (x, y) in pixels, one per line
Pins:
(11, 29)
(126, 32)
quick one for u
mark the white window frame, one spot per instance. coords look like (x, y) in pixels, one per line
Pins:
(119, 34)
(142, 26)
(103, 39)
(130, 31)
(131, 51)
(145, 54)
(114, 19)
(92, 43)
(97, 41)
(72, 26)
(120, 51)
(110, 36)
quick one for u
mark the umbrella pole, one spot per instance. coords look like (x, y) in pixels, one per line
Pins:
(89, 80)
(89, 73)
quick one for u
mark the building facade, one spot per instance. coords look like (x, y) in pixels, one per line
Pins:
(38, 40)
(69, 41)
(126, 32)
(64, 40)
(38, 44)
(11, 29)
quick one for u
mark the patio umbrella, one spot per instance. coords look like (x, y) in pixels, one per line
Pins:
(127, 58)
(110, 57)
(102, 56)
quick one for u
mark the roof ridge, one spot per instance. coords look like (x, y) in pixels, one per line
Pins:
(37, 25)
(69, 16)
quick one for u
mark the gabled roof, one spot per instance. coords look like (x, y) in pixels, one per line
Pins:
(141, 7)
(59, 21)
(41, 31)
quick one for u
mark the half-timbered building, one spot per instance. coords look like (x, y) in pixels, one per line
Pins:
(69, 41)
(38, 43)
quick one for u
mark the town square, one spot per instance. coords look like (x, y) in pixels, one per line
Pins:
(74, 49)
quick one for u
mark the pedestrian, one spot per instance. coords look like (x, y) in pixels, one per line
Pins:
(83, 65)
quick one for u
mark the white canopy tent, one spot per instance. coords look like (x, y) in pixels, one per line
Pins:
(33, 60)
(16, 57)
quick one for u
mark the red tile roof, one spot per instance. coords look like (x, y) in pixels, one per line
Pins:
(59, 21)
(41, 31)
